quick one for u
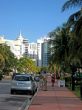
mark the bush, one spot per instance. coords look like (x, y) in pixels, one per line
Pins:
(68, 81)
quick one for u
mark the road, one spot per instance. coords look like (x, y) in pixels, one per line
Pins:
(11, 102)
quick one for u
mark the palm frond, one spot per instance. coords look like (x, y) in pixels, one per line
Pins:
(73, 18)
(71, 3)
(78, 27)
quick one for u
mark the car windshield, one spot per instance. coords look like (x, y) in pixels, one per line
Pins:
(22, 78)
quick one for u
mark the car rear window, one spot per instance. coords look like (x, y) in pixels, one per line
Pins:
(22, 78)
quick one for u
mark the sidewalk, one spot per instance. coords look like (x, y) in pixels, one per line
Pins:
(55, 98)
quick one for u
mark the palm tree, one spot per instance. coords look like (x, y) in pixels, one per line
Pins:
(74, 23)
(60, 49)
(76, 18)
(71, 3)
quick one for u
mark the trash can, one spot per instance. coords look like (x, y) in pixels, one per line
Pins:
(81, 90)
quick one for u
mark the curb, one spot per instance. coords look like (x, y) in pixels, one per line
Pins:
(28, 104)
(24, 104)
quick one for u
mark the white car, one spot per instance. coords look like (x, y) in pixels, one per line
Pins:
(24, 83)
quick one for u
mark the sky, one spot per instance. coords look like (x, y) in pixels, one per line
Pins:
(34, 18)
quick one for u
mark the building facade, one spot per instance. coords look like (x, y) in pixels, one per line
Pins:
(38, 52)
(45, 53)
(16, 46)
(32, 51)
(42, 51)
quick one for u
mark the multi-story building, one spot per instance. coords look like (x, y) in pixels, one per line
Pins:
(32, 51)
(38, 52)
(45, 52)
(16, 46)
(42, 51)
(26, 43)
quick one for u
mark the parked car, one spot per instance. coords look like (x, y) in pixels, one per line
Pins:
(15, 74)
(24, 83)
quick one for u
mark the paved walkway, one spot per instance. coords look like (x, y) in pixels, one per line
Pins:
(55, 98)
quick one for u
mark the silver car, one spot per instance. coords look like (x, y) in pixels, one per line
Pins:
(23, 82)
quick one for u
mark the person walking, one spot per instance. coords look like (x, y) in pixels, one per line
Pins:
(41, 81)
(45, 81)
(53, 79)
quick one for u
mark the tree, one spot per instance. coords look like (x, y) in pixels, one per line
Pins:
(74, 24)
(2, 62)
(60, 49)
(26, 65)
(75, 20)
(9, 58)
(71, 3)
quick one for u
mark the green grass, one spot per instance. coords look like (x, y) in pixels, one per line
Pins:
(76, 91)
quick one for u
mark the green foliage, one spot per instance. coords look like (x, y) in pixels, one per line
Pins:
(60, 47)
(74, 25)
(26, 65)
(7, 59)
(2, 61)
(71, 3)
(44, 69)
(66, 41)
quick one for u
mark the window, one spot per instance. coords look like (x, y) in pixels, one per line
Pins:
(22, 78)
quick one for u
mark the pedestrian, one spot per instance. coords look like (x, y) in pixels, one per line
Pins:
(53, 79)
(45, 81)
(41, 82)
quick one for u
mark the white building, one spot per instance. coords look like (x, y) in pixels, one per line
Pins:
(39, 52)
(36, 51)
(32, 51)
(16, 46)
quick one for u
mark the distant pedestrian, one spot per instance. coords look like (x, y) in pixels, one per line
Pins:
(45, 81)
(41, 81)
(53, 79)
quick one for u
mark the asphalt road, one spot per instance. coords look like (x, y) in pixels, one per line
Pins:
(11, 102)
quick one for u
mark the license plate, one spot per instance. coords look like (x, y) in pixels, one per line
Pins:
(20, 83)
